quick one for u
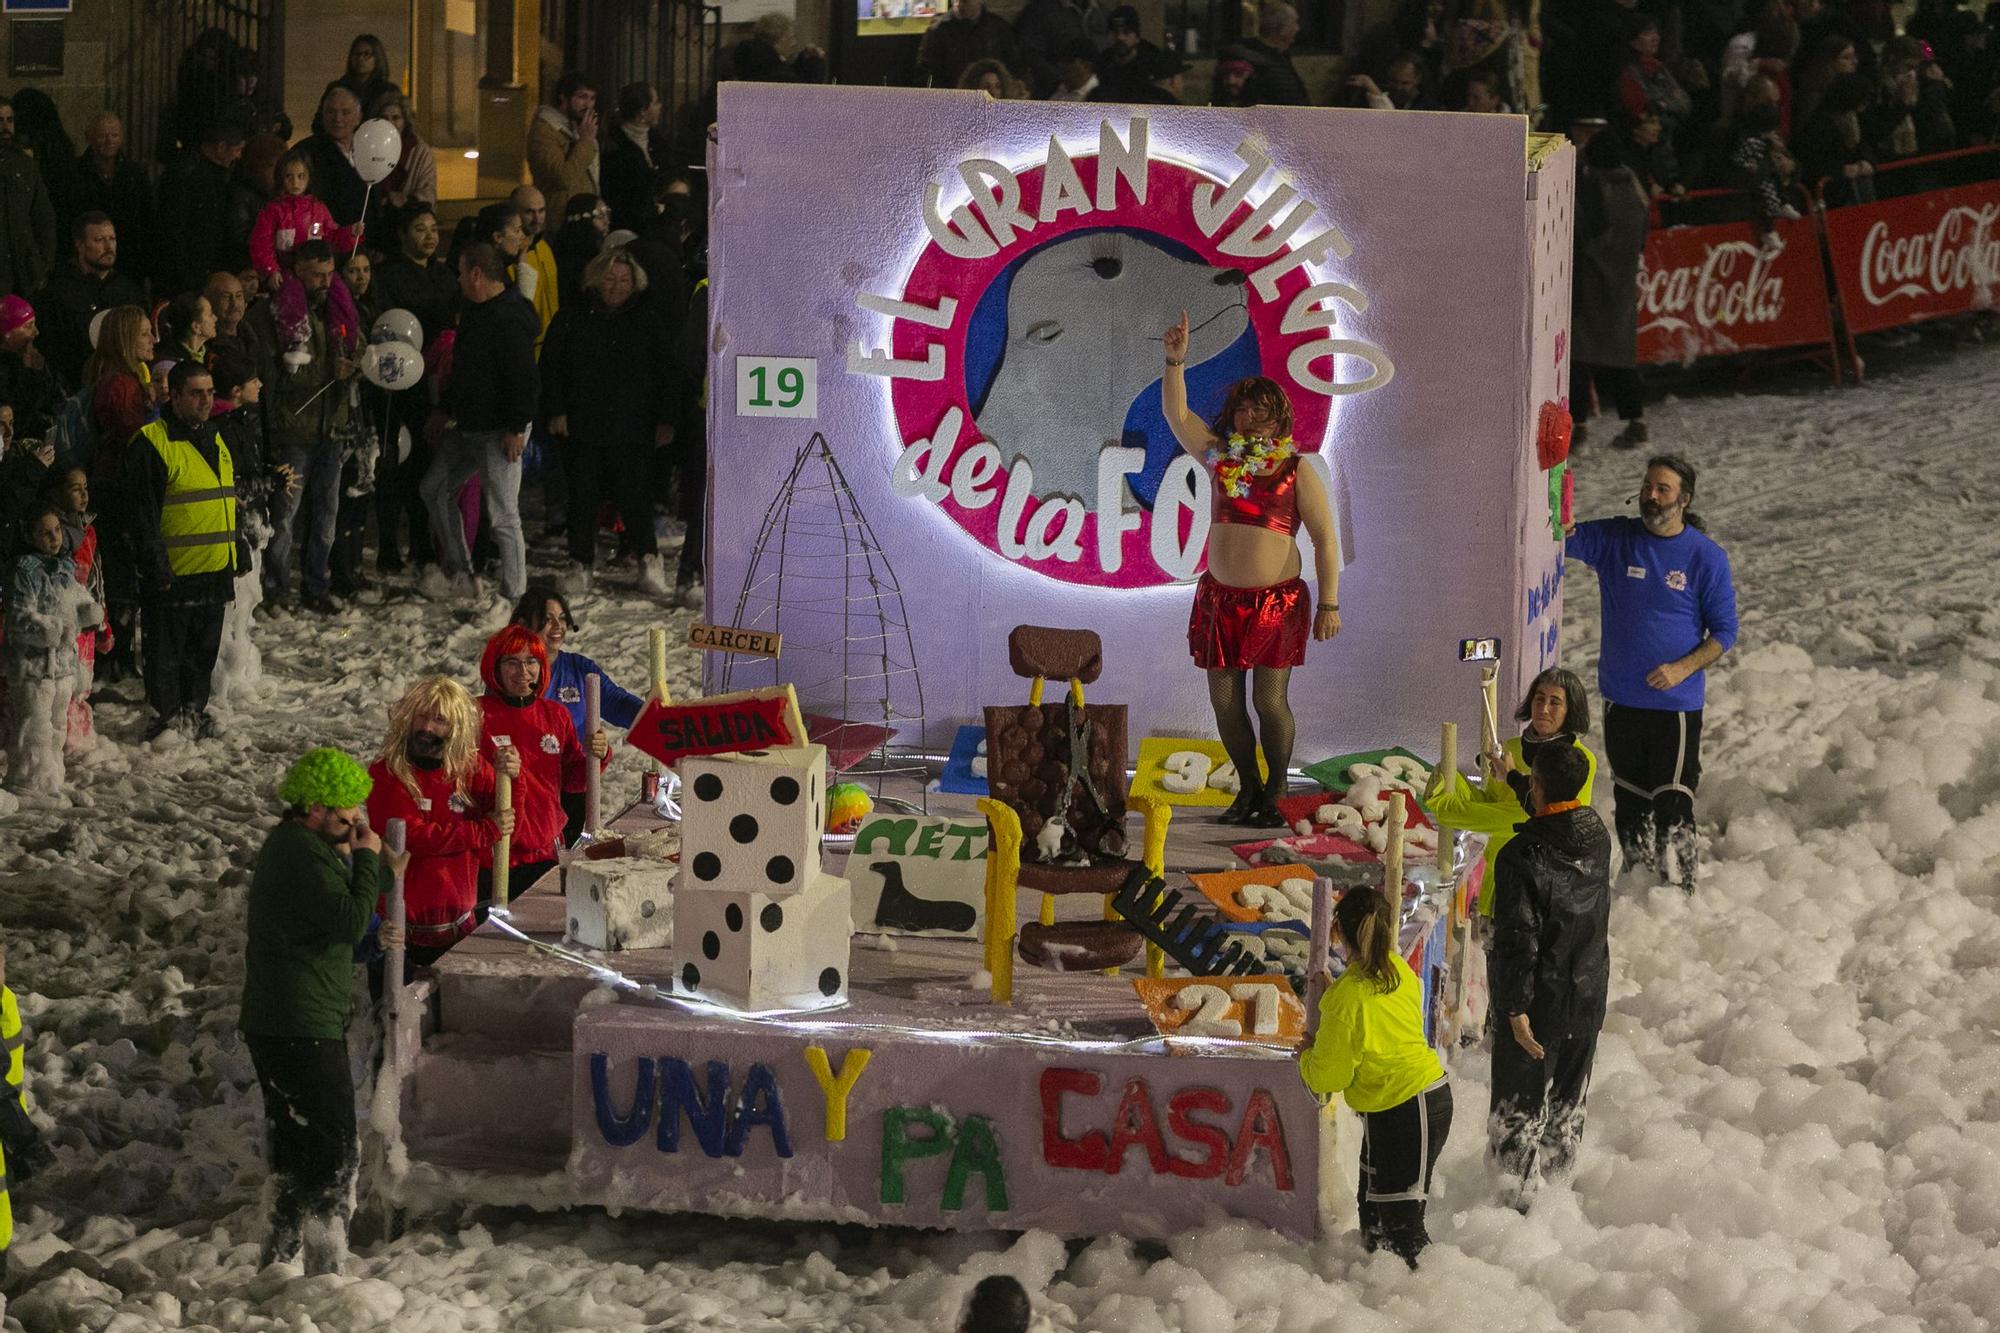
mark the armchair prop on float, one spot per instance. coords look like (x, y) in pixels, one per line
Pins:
(1057, 812)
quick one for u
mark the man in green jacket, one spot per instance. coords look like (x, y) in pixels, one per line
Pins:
(312, 900)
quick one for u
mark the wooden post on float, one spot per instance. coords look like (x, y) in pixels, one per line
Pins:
(656, 642)
(593, 772)
(395, 839)
(1392, 853)
(503, 850)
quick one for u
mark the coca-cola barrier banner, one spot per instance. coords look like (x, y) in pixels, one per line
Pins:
(1711, 291)
(1918, 257)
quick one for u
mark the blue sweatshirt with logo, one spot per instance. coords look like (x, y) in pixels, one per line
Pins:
(619, 706)
(1661, 597)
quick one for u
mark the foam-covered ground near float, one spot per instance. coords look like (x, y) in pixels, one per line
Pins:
(1795, 1120)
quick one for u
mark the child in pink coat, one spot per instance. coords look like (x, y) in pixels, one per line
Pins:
(293, 217)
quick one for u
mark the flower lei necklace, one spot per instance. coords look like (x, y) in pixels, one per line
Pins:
(1243, 457)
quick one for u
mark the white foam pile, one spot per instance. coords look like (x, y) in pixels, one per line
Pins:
(1795, 1119)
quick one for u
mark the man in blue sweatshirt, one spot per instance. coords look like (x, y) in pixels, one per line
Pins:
(1669, 612)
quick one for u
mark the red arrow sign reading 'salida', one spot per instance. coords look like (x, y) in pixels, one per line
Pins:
(720, 724)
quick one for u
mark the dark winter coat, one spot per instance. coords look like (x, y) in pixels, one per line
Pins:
(1044, 29)
(493, 380)
(610, 372)
(335, 182)
(1552, 920)
(309, 907)
(64, 309)
(955, 43)
(1274, 79)
(626, 179)
(193, 231)
(127, 199)
(31, 391)
(27, 226)
(1611, 215)
(428, 291)
(300, 411)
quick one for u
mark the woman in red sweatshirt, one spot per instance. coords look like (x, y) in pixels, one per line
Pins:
(431, 776)
(517, 714)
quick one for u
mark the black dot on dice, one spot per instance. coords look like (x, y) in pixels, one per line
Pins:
(707, 865)
(829, 981)
(711, 946)
(647, 908)
(690, 977)
(784, 790)
(708, 787)
(732, 916)
(779, 870)
(771, 917)
(743, 828)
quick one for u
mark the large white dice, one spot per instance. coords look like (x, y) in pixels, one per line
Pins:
(621, 902)
(752, 822)
(758, 951)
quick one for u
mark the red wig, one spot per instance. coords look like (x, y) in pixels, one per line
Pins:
(512, 642)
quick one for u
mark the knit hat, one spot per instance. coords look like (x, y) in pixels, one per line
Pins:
(14, 312)
(325, 777)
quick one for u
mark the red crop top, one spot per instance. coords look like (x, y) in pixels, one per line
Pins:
(1273, 501)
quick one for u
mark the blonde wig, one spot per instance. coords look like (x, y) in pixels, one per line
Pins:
(449, 700)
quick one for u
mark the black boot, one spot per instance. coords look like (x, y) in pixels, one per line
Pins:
(1245, 804)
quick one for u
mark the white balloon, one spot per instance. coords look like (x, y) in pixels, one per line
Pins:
(392, 365)
(398, 325)
(377, 149)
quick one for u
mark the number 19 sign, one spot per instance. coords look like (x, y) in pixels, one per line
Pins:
(777, 386)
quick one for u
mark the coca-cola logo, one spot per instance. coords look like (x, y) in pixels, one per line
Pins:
(1731, 287)
(1960, 252)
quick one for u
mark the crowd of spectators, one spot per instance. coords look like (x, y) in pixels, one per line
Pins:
(1769, 98)
(204, 405)
(560, 330)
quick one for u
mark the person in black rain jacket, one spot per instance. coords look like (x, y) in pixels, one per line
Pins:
(1551, 971)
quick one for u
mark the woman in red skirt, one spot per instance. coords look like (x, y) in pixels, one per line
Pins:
(1252, 611)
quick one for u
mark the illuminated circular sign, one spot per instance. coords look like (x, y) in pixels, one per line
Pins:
(1025, 350)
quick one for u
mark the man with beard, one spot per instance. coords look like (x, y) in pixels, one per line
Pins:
(106, 180)
(311, 901)
(232, 332)
(181, 501)
(1669, 608)
(90, 282)
(27, 214)
(306, 411)
(1124, 61)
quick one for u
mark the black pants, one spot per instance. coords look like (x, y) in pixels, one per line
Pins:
(309, 1130)
(350, 535)
(620, 476)
(572, 804)
(1399, 1150)
(1536, 1117)
(1620, 382)
(694, 502)
(1655, 757)
(181, 645)
(397, 499)
(519, 880)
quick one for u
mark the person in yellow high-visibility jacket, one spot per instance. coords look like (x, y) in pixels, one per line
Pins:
(1370, 1048)
(180, 507)
(1557, 709)
(22, 1151)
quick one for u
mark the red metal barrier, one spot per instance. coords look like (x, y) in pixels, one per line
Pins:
(1918, 257)
(1714, 290)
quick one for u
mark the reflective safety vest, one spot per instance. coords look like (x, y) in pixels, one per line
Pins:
(198, 515)
(12, 1039)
